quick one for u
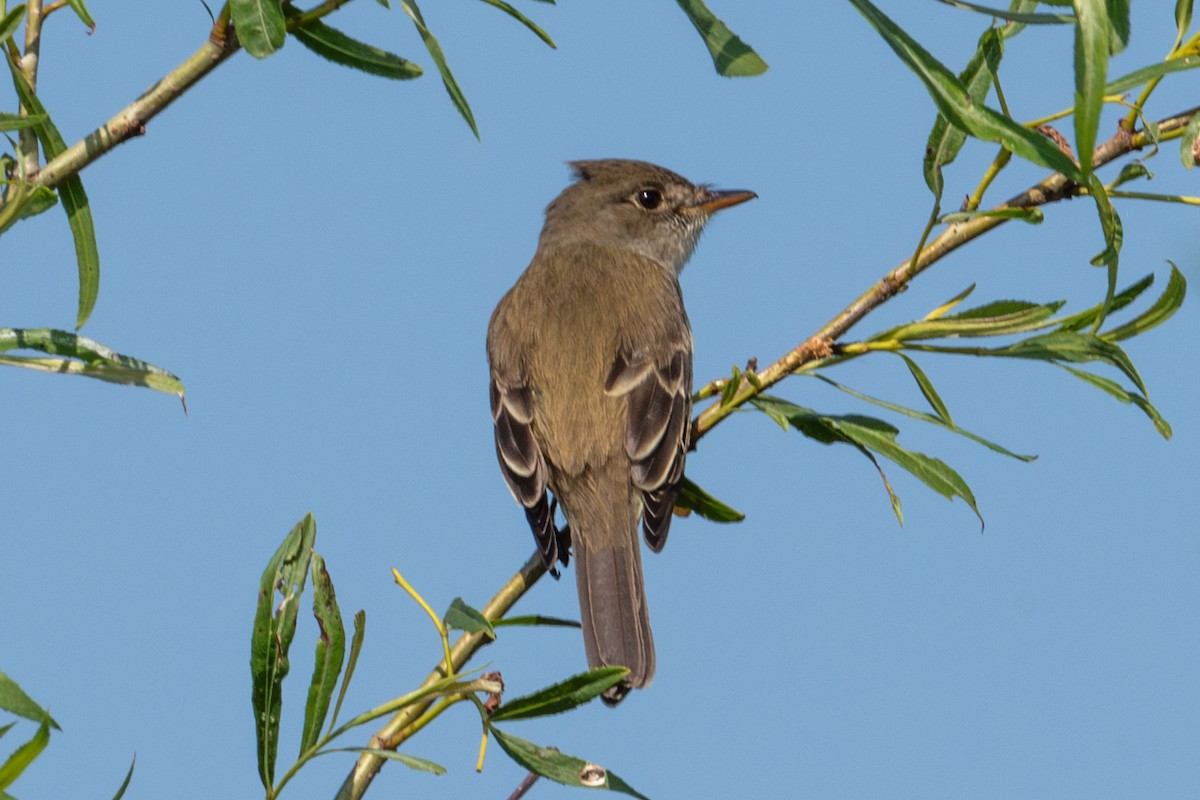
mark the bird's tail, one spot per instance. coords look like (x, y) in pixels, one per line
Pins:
(612, 603)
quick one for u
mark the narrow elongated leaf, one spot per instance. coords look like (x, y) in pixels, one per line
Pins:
(439, 58)
(274, 627)
(463, 617)
(1114, 235)
(412, 762)
(945, 140)
(924, 417)
(261, 28)
(356, 643)
(1013, 16)
(1077, 322)
(95, 360)
(74, 200)
(560, 767)
(537, 619)
(24, 755)
(1013, 27)
(1118, 23)
(1145, 74)
(524, 20)
(1091, 70)
(693, 498)
(875, 435)
(562, 696)
(732, 57)
(1162, 310)
(1074, 348)
(992, 319)
(128, 777)
(1118, 391)
(11, 21)
(953, 100)
(81, 11)
(926, 387)
(14, 700)
(950, 304)
(331, 650)
(339, 48)
(1183, 20)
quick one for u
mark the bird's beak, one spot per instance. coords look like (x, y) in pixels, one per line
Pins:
(716, 200)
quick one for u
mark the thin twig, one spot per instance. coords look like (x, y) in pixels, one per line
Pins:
(1052, 189)
(524, 786)
(402, 725)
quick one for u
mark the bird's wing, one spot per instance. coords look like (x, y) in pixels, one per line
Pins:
(658, 390)
(521, 460)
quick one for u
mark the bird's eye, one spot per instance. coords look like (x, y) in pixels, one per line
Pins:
(649, 199)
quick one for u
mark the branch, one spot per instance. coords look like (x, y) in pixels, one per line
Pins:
(820, 344)
(131, 121)
(401, 726)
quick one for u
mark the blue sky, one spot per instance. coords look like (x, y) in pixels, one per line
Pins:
(316, 253)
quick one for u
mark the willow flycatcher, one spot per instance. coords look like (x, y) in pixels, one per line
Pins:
(591, 384)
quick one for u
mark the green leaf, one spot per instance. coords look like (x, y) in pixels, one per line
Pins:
(1189, 143)
(81, 11)
(1012, 16)
(14, 700)
(31, 203)
(560, 767)
(435, 51)
(1077, 322)
(274, 627)
(1132, 171)
(1145, 74)
(1116, 390)
(1114, 235)
(332, 44)
(11, 21)
(1020, 7)
(1091, 69)
(419, 764)
(876, 436)
(96, 360)
(693, 498)
(924, 417)
(1032, 215)
(356, 643)
(537, 619)
(74, 200)
(260, 25)
(953, 100)
(1183, 20)
(926, 387)
(24, 755)
(992, 319)
(732, 57)
(1119, 28)
(945, 140)
(524, 20)
(1163, 308)
(128, 777)
(1073, 348)
(463, 617)
(330, 651)
(562, 696)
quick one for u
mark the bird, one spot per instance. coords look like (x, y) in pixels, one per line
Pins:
(590, 364)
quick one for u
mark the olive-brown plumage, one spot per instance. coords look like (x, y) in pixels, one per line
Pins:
(591, 380)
